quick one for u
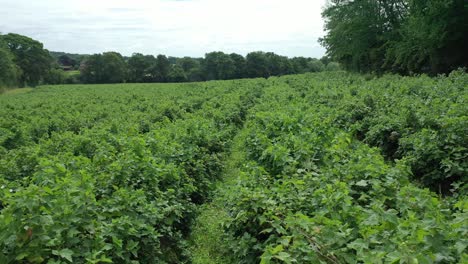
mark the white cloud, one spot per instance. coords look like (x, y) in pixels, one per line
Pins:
(178, 28)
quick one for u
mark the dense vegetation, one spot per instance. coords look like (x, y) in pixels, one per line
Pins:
(313, 188)
(399, 36)
(25, 62)
(331, 168)
(402, 36)
(111, 67)
(99, 173)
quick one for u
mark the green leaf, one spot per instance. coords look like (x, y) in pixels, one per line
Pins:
(362, 183)
(117, 242)
(284, 256)
(22, 255)
(105, 260)
(277, 249)
(64, 253)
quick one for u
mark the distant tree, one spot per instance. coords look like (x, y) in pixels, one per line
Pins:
(160, 70)
(149, 75)
(257, 65)
(300, 65)
(192, 68)
(176, 74)
(278, 65)
(325, 60)
(8, 69)
(91, 69)
(333, 66)
(66, 60)
(30, 56)
(195, 74)
(187, 63)
(108, 67)
(239, 65)
(139, 67)
(219, 66)
(115, 68)
(172, 60)
(315, 65)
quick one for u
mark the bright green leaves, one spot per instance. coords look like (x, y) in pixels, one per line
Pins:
(116, 176)
(64, 253)
(112, 174)
(312, 192)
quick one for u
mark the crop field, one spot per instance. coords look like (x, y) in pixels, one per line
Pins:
(328, 167)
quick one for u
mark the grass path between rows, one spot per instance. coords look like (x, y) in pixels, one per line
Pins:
(206, 241)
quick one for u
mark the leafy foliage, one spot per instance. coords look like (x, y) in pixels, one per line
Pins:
(312, 191)
(117, 182)
(403, 36)
(8, 69)
(331, 167)
(29, 56)
(108, 67)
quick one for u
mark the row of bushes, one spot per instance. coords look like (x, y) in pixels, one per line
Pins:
(111, 173)
(311, 190)
(420, 120)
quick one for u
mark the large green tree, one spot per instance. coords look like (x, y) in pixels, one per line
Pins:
(188, 63)
(91, 69)
(219, 66)
(8, 69)
(278, 65)
(30, 56)
(432, 38)
(176, 74)
(192, 68)
(160, 70)
(299, 65)
(108, 67)
(257, 64)
(239, 64)
(115, 68)
(315, 65)
(357, 31)
(403, 36)
(139, 67)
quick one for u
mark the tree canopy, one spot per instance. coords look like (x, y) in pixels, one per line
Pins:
(403, 36)
(108, 67)
(30, 56)
(8, 69)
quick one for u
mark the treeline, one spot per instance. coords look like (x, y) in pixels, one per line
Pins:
(400, 36)
(25, 62)
(112, 67)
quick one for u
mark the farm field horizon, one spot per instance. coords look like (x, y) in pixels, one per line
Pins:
(329, 167)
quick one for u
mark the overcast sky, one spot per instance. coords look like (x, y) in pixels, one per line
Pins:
(171, 27)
